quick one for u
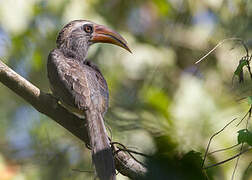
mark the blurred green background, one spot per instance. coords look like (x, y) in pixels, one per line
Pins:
(160, 102)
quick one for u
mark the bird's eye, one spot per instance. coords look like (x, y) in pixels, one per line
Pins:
(88, 28)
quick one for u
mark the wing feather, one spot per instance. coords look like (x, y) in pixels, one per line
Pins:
(70, 81)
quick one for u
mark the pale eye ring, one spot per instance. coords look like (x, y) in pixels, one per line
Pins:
(88, 28)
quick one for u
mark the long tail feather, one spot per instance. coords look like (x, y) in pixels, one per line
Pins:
(101, 150)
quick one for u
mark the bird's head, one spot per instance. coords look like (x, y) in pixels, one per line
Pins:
(77, 36)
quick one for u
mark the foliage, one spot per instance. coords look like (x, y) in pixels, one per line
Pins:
(245, 136)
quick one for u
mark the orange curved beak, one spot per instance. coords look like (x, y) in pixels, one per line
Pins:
(103, 34)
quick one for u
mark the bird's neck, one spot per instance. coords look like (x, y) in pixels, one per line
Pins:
(75, 52)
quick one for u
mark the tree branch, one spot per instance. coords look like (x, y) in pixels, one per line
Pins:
(48, 105)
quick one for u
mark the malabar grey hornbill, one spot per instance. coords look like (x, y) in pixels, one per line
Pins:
(79, 85)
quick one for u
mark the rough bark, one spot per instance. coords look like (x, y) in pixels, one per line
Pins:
(47, 104)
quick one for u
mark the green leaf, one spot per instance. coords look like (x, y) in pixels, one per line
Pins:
(239, 68)
(245, 136)
(249, 140)
(241, 136)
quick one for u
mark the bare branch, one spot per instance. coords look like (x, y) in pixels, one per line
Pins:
(47, 104)
(229, 159)
(236, 163)
(211, 138)
(220, 43)
(247, 169)
(244, 117)
(224, 149)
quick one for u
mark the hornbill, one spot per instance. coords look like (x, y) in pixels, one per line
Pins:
(79, 85)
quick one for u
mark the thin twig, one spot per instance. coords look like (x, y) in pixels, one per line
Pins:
(129, 150)
(229, 159)
(240, 99)
(125, 149)
(209, 142)
(244, 117)
(249, 116)
(247, 169)
(135, 152)
(224, 149)
(220, 43)
(236, 163)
